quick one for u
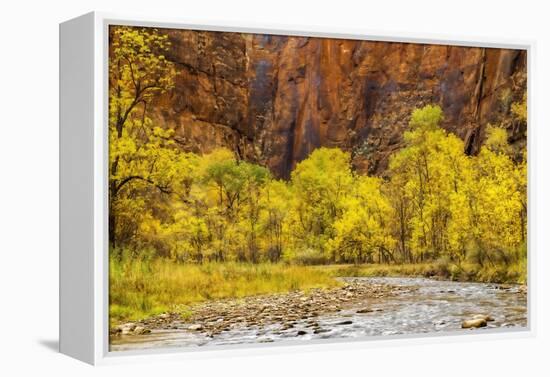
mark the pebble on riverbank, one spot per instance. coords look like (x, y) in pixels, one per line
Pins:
(283, 309)
(130, 329)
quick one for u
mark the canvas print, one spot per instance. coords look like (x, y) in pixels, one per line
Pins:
(271, 188)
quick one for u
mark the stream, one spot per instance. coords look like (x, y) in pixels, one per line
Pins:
(422, 306)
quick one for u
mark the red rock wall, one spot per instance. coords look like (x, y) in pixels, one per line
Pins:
(274, 99)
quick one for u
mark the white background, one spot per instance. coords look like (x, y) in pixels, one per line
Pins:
(29, 184)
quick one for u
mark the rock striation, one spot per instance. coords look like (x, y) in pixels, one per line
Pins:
(274, 99)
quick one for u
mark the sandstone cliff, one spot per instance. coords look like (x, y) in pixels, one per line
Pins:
(273, 99)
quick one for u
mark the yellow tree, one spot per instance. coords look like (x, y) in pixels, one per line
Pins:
(251, 206)
(401, 205)
(276, 199)
(234, 189)
(426, 186)
(220, 187)
(414, 166)
(362, 231)
(497, 200)
(141, 155)
(319, 183)
(519, 109)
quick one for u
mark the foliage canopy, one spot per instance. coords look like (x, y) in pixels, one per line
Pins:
(437, 202)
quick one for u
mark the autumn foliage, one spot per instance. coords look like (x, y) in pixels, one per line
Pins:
(436, 202)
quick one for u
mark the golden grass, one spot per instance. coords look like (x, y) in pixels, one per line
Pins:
(376, 270)
(513, 273)
(139, 289)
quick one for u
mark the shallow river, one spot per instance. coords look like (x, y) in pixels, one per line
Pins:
(434, 306)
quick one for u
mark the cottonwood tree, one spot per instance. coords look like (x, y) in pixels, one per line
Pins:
(142, 156)
(435, 203)
(276, 198)
(319, 184)
(362, 231)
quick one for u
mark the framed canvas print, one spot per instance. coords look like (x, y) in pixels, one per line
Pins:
(230, 189)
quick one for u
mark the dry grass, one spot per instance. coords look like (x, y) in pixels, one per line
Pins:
(139, 289)
(515, 273)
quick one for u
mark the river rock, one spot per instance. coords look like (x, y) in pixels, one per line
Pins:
(265, 340)
(287, 326)
(474, 323)
(320, 331)
(364, 311)
(282, 310)
(505, 287)
(301, 332)
(344, 323)
(140, 330)
(485, 317)
(130, 326)
(127, 328)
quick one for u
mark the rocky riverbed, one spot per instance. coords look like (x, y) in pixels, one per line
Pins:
(360, 307)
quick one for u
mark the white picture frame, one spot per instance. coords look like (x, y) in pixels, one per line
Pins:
(84, 202)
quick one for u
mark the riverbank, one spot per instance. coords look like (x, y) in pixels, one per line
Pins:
(361, 307)
(142, 289)
(466, 272)
(283, 309)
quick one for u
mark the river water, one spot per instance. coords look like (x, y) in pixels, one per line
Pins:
(432, 306)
